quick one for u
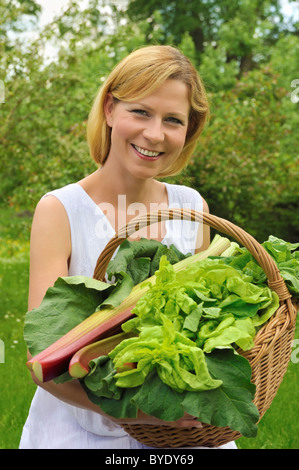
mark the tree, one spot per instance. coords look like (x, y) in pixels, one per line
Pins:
(43, 119)
(244, 29)
(244, 165)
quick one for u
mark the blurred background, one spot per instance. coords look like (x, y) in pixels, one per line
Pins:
(53, 58)
(55, 55)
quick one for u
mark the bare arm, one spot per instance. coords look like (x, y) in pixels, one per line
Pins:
(50, 250)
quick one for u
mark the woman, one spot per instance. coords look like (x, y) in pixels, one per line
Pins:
(144, 124)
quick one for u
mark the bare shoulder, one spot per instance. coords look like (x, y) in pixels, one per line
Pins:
(49, 206)
(50, 226)
(50, 248)
(50, 215)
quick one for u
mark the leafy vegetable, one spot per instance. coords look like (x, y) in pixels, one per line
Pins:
(178, 361)
(231, 404)
(285, 254)
(111, 310)
(186, 328)
(209, 302)
(141, 259)
(187, 325)
(228, 405)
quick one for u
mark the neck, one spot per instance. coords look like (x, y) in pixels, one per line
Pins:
(122, 197)
(135, 190)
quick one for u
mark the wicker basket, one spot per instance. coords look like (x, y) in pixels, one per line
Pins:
(269, 357)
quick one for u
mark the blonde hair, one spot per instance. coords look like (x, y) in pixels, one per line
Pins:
(138, 75)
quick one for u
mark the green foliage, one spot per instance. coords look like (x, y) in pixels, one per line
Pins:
(242, 29)
(246, 165)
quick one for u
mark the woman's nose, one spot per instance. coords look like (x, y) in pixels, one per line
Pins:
(154, 132)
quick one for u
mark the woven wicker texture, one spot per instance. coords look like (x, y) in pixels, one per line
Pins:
(269, 357)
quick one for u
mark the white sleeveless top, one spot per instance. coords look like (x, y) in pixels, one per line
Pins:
(51, 423)
(91, 230)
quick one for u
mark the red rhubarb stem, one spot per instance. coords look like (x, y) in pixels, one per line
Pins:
(54, 360)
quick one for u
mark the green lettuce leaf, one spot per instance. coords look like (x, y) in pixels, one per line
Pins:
(227, 332)
(279, 249)
(178, 361)
(285, 255)
(204, 302)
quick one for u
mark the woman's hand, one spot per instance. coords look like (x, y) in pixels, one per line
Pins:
(187, 421)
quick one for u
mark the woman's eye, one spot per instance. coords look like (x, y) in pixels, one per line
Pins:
(144, 113)
(175, 121)
(140, 112)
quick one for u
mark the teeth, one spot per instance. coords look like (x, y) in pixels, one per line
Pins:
(147, 153)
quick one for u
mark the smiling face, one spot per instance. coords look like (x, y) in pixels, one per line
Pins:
(148, 135)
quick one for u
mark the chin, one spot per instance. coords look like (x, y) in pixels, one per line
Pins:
(144, 173)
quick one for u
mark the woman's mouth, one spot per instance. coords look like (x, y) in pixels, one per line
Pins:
(146, 154)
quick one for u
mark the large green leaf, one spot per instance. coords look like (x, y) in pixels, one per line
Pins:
(65, 305)
(231, 404)
(155, 398)
(140, 259)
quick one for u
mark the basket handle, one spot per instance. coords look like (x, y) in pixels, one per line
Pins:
(275, 281)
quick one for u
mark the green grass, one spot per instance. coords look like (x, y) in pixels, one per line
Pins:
(16, 385)
(279, 428)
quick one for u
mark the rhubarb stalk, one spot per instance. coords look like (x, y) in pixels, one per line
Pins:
(54, 360)
(79, 364)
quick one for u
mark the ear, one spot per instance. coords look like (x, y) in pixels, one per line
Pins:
(108, 109)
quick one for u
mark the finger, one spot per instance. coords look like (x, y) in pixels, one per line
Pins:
(190, 423)
(184, 423)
